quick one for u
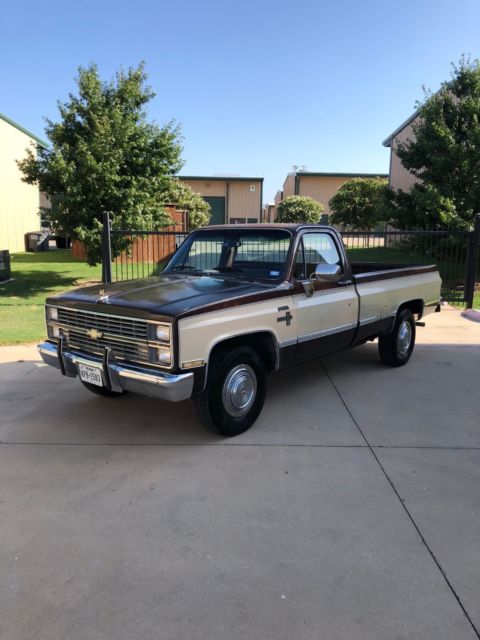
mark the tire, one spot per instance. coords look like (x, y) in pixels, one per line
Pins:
(396, 347)
(234, 393)
(102, 391)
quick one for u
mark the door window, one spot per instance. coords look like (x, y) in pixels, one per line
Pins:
(315, 248)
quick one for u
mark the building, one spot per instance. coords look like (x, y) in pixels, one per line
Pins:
(321, 186)
(232, 199)
(19, 202)
(269, 212)
(400, 178)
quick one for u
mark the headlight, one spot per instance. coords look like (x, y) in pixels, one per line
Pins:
(162, 332)
(53, 331)
(164, 355)
(52, 313)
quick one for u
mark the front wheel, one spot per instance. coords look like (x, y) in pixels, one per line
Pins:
(235, 392)
(396, 347)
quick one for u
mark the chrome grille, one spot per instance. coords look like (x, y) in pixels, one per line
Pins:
(126, 337)
(120, 348)
(113, 325)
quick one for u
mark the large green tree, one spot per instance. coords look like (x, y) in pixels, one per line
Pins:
(299, 209)
(360, 203)
(445, 153)
(106, 156)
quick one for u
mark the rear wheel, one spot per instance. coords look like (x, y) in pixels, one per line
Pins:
(235, 392)
(102, 391)
(396, 347)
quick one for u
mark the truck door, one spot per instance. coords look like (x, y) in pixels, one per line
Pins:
(327, 312)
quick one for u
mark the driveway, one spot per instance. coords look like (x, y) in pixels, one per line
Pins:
(351, 510)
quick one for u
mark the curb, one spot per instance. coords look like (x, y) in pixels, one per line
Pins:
(471, 314)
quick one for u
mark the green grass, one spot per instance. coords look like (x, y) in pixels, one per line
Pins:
(35, 276)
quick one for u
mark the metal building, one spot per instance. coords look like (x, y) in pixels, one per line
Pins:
(400, 178)
(321, 186)
(232, 199)
(19, 202)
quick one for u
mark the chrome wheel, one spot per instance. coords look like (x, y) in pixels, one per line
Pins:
(239, 390)
(404, 338)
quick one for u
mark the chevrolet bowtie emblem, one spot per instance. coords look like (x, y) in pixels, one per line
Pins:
(94, 334)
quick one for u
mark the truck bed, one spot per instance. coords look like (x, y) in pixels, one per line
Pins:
(367, 271)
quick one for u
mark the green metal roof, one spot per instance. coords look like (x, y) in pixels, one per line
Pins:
(221, 178)
(319, 174)
(41, 142)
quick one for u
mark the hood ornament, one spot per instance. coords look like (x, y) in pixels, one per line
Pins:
(102, 295)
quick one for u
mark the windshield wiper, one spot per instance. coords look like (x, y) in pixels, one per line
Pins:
(185, 267)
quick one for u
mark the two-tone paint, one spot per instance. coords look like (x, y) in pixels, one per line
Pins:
(293, 320)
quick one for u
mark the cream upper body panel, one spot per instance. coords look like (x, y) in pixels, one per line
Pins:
(328, 311)
(381, 298)
(200, 333)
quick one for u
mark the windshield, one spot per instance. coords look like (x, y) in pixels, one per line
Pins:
(248, 253)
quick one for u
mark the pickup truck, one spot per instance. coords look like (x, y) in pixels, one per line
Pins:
(234, 304)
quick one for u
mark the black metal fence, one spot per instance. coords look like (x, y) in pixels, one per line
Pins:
(132, 254)
(140, 254)
(455, 252)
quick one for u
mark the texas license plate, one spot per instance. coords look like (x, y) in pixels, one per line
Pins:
(93, 375)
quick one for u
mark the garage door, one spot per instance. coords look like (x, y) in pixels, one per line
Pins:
(217, 205)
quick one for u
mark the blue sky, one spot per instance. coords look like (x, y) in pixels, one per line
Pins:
(256, 86)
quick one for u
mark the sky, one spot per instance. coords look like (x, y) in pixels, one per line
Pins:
(257, 86)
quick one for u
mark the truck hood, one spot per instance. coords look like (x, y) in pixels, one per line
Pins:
(169, 295)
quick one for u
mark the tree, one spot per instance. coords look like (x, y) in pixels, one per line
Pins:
(183, 197)
(422, 207)
(299, 209)
(360, 203)
(106, 156)
(445, 151)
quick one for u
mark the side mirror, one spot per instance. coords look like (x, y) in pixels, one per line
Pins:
(327, 272)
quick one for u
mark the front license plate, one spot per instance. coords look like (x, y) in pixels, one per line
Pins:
(93, 375)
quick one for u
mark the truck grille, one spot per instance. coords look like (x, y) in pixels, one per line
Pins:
(114, 325)
(126, 337)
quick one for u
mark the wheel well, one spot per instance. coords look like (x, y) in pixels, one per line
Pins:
(415, 306)
(262, 342)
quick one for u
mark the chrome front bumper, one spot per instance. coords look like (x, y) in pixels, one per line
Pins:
(118, 377)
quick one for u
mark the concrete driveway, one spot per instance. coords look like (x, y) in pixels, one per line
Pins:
(351, 510)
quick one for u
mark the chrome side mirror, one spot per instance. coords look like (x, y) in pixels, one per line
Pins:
(327, 273)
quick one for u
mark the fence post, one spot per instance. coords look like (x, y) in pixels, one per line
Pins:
(106, 249)
(472, 263)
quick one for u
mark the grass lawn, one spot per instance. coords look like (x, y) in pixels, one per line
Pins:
(34, 277)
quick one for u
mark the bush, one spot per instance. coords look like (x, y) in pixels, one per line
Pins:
(299, 209)
(360, 203)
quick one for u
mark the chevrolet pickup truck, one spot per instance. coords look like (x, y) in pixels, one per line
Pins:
(234, 304)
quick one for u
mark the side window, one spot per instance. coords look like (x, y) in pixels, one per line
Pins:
(315, 248)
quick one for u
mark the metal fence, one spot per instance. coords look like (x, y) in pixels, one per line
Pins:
(140, 254)
(455, 252)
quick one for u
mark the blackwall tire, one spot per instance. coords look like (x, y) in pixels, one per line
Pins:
(396, 347)
(235, 392)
